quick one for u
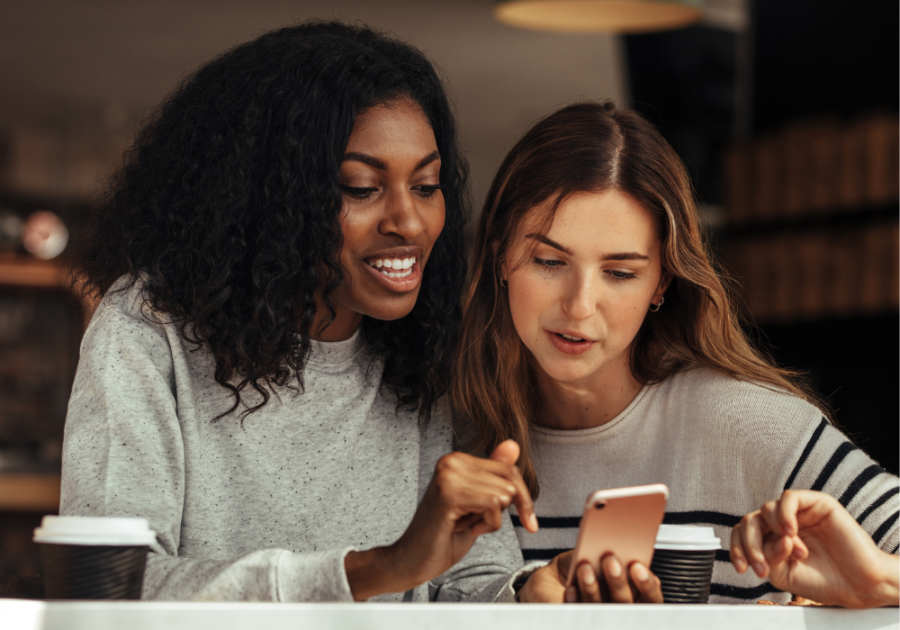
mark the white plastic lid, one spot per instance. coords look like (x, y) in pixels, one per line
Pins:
(94, 530)
(686, 538)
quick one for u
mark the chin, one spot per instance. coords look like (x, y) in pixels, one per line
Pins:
(566, 373)
(392, 312)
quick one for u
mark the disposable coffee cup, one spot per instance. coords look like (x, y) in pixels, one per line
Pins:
(86, 557)
(683, 561)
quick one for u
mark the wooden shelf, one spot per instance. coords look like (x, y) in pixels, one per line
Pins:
(24, 271)
(29, 492)
(17, 270)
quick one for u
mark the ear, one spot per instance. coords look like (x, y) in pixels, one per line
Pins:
(504, 274)
(664, 281)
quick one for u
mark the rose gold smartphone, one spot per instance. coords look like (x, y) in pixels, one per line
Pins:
(622, 521)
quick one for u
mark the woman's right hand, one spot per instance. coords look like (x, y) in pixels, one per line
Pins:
(548, 584)
(465, 499)
(807, 543)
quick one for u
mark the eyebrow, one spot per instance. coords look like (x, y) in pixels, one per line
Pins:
(626, 256)
(546, 241)
(618, 256)
(381, 166)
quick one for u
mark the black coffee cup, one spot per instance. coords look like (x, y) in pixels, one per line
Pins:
(683, 560)
(93, 557)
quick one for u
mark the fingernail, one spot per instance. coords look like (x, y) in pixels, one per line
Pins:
(640, 573)
(534, 522)
(615, 569)
(760, 568)
(570, 594)
(587, 575)
(788, 530)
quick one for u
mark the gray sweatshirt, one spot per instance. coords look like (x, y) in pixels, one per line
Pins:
(268, 510)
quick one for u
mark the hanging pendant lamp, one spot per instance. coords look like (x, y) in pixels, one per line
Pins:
(593, 16)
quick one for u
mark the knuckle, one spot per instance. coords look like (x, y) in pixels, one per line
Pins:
(450, 460)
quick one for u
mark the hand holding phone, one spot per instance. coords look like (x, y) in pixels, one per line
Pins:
(615, 546)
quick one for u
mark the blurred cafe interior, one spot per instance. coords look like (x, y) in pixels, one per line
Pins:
(786, 114)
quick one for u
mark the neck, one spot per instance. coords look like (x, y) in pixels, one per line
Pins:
(341, 328)
(586, 404)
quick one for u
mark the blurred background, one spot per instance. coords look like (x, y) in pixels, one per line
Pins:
(785, 112)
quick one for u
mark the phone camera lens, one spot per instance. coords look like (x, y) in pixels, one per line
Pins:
(599, 506)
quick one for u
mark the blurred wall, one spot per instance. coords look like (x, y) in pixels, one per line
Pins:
(76, 77)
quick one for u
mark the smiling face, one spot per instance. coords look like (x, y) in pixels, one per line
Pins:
(392, 214)
(579, 294)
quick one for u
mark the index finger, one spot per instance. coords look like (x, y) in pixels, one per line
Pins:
(787, 509)
(523, 502)
(507, 452)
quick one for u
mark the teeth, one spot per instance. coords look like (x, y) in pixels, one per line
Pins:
(568, 338)
(403, 266)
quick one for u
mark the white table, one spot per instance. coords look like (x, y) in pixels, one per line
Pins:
(39, 615)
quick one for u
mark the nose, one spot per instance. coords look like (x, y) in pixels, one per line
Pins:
(580, 301)
(401, 215)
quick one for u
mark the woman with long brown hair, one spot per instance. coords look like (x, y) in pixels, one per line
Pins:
(599, 335)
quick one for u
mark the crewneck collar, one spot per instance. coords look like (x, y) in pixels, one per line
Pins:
(335, 352)
(604, 430)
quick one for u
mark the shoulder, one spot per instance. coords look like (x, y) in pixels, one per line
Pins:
(753, 412)
(713, 393)
(124, 303)
(125, 327)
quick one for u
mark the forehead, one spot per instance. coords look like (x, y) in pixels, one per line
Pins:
(610, 220)
(397, 127)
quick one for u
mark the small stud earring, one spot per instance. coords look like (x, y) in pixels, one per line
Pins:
(657, 305)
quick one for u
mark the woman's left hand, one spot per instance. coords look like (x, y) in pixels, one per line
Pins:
(636, 585)
(807, 543)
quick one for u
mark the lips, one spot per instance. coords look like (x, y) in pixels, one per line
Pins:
(569, 342)
(398, 270)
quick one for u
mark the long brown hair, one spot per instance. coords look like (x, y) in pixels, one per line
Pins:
(592, 147)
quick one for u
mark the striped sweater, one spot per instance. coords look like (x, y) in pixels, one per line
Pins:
(724, 448)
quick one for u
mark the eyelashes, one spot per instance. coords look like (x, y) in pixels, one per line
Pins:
(620, 276)
(554, 266)
(549, 265)
(427, 191)
(364, 193)
(358, 193)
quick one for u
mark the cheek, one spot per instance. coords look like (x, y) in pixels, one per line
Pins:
(435, 222)
(355, 229)
(528, 301)
(628, 315)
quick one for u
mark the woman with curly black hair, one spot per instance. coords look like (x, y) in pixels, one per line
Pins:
(263, 378)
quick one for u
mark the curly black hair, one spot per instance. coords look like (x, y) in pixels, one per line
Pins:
(227, 209)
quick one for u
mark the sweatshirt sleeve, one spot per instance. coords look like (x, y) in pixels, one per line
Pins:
(123, 455)
(828, 461)
(485, 573)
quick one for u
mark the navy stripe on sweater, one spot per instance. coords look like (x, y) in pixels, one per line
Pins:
(806, 451)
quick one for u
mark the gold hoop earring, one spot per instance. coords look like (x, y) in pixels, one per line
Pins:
(657, 305)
